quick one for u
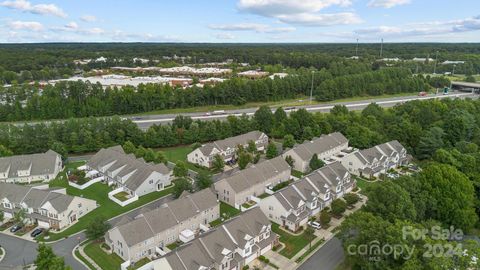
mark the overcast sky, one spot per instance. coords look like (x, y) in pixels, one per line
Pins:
(240, 20)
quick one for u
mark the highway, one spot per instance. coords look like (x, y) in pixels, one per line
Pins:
(146, 121)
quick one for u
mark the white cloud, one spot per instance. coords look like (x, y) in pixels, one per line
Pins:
(225, 36)
(71, 25)
(312, 19)
(423, 29)
(273, 8)
(88, 18)
(42, 9)
(387, 3)
(257, 27)
(303, 12)
(23, 25)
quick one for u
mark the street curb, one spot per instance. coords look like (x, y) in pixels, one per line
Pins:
(4, 254)
(59, 240)
(75, 248)
(19, 237)
(313, 252)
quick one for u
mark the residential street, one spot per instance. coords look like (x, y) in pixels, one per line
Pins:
(20, 252)
(326, 258)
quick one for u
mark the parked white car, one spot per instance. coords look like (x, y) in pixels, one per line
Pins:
(314, 225)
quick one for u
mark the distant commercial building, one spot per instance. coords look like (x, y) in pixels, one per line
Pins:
(26, 169)
(453, 62)
(253, 74)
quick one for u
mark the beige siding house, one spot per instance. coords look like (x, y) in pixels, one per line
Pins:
(226, 148)
(149, 233)
(325, 147)
(122, 170)
(232, 245)
(293, 205)
(379, 159)
(241, 185)
(51, 209)
(30, 168)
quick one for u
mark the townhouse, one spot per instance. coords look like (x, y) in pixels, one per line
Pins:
(379, 159)
(230, 246)
(293, 205)
(150, 232)
(50, 209)
(226, 148)
(30, 168)
(325, 147)
(122, 170)
(240, 186)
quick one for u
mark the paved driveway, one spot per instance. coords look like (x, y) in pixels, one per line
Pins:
(20, 252)
(326, 258)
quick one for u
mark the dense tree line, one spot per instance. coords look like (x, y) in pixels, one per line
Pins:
(79, 99)
(25, 62)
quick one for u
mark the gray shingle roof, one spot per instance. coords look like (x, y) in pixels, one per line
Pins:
(34, 198)
(208, 249)
(231, 142)
(167, 216)
(257, 173)
(127, 163)
(319, 145)
(39, 164)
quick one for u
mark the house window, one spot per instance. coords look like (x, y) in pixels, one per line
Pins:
(270, 208)
(151, 181)
(80, 205)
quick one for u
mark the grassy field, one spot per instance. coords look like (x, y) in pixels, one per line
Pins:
(300, 101)
(81, 258)
(226, 212)
(362, 184)
(107, 209)
(293, 243)
(101, 258)
(179, 153)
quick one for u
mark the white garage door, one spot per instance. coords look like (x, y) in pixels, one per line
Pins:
(43, 224)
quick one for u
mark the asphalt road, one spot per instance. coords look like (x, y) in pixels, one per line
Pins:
(146, 121)
(20, 252)
(326, 258)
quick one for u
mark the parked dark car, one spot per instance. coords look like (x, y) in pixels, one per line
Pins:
(16, 228)
(36, 232)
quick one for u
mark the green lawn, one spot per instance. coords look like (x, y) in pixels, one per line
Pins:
(173, 246)
(298, 174)
(179, 153)
(81, 258)
(140, 263)
(306, 253)
(363, 184)
(108, 209)
(293, 243)
(228, 211)
(264, 195)
(101, 258)
(122, 196)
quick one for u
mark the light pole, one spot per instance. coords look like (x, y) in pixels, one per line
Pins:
(311, 89)
(435, 65)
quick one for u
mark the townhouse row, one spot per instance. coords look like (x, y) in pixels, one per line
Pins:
(49, 208)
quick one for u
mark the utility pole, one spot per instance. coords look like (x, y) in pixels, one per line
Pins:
(381, 49)
(311, 89)
(356, 49)
(435, 65)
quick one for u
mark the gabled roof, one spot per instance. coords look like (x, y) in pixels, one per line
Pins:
(167, 216)
(127, 164)
(257, 173)
(209, 249)
(39, 164)
(319, 145)
(231, 142)
(380, 152)
(35, 198)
